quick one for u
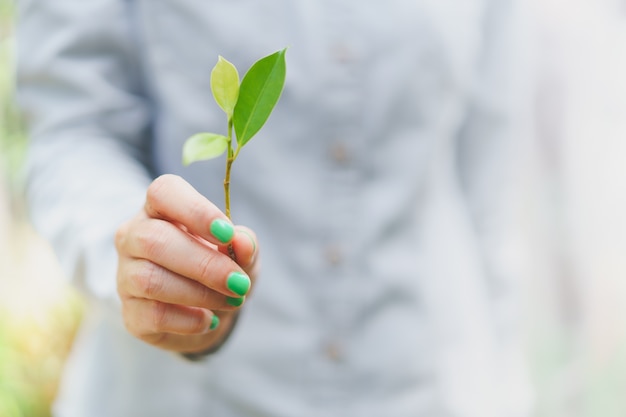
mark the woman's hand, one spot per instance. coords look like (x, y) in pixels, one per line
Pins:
(179, 289)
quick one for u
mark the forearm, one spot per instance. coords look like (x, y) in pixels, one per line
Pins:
(87, 118)
(79, 191)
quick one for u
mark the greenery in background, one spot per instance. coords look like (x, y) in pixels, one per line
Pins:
(33, 349)
(33, 343)
(12, 138)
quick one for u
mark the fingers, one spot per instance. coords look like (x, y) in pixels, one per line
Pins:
(245, 246)
(168, 246)
(149, 317)
(174, 327)
(171, 198)
(149, 281)
(176, 279)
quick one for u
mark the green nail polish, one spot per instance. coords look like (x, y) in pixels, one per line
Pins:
(238, 283)
(235, 301)
(215, 321)
(222, 230)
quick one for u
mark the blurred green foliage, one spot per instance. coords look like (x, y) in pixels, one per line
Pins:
(33, 349)
(12, 138)
(33, 343)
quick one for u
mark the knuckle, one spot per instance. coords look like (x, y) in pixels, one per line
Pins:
(207, 265)
(159, 316)
(149, 280)
(197, 324)
(120, 286)
(155, 339)
(126, 317)
(120, 236)
(206, 296)
(133, 324)
(138, 328)
(150, 239)
(158, 188)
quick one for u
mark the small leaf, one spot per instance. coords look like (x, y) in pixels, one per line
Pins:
(225, 85)
(258, 94)
(203, 146)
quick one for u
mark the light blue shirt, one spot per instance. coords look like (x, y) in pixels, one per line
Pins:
(380, 189)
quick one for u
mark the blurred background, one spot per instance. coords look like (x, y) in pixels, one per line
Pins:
(575, 219)
(574, 216)
(38, 312)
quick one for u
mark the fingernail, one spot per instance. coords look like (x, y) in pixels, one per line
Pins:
(238, 283)
(253, 242)
(215, 321)
(251, 239)
(222, 230)
(235, 301)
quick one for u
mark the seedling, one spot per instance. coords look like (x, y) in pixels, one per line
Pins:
(247, 106)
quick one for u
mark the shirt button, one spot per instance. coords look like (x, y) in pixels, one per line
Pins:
(342, 53)
(333, 255)
(333, 352)
(339, 153)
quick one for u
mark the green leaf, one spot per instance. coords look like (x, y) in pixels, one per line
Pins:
(203, 146)
(225, 85)
(258, 94)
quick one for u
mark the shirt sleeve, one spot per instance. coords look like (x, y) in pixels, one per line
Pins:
(492, 146)
(494, 137)
(80, 89)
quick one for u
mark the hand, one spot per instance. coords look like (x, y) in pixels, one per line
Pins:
(179, 289)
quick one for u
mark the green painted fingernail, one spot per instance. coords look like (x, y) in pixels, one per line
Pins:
(235, 301)
(215, 321)
(222, 230)
(238, 283)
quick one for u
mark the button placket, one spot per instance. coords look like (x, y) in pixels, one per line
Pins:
(342, 111)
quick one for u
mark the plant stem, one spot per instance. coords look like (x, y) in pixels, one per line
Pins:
(229, 163)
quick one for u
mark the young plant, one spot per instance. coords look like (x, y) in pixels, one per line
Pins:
(247, 106)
